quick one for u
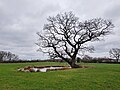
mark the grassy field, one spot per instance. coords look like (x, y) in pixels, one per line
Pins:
(102, 77)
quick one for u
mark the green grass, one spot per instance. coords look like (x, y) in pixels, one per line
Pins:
(102, 77)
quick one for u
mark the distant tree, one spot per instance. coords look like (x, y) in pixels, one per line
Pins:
(2, 55)
(86, 57)
(65, 36)
(11, 56)
(115, 53)
(7, 56)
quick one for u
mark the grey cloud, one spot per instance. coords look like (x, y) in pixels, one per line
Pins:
(102, 47)
(114, 12)
(21, 19)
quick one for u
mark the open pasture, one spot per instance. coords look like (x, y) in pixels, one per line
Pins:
(102, 77)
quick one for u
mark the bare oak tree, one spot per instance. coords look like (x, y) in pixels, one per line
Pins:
(115, 53)
(65, 36)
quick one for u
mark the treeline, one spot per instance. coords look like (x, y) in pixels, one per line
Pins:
(88, 59)
(25, 61)
(8, 57)
(85, 59)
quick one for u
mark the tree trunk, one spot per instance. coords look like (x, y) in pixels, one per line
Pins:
(73, 64)
(117, 60)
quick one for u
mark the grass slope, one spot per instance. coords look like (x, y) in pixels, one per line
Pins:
(103, 77)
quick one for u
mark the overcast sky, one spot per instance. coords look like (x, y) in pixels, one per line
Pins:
(21, 19)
